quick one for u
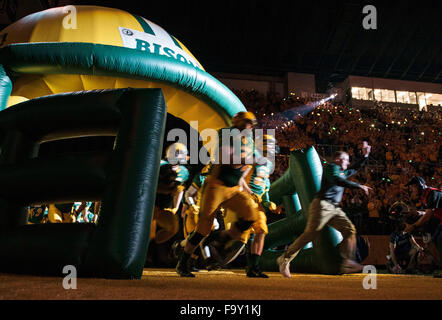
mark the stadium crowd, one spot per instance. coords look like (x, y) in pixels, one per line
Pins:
(405, 143)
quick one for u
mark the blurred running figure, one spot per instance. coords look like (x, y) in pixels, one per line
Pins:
(224, 187)
(325, 210)
(259, 186)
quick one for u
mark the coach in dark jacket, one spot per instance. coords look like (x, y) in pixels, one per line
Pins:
(324, 210)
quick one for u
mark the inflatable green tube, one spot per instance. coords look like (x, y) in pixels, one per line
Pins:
(289, 205)
(307, 167)
(106, 60)
(281, 232)
(285, 231)
(282, 187)
(305, 261)
(123, 178)
(5, 88)
(303, 181)
(292, 202)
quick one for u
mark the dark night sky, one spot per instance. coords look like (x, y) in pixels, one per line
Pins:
(321, 37)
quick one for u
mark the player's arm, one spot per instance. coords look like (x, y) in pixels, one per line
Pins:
(188, 200)
(177, 197)
(243, 185)
(265, 198)
(267, 203)
(242, 181)
(189, 195)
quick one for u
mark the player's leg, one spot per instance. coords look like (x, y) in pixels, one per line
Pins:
(260, 230)
(212, 195)
(189, 225)
(247, 213)
(168, 221)
(231, 241)
(190, 221)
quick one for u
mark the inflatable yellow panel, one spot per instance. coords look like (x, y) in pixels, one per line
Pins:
(181, 104)
(16, 99)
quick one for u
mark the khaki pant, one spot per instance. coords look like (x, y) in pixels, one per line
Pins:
(322, 213)
(214, 195)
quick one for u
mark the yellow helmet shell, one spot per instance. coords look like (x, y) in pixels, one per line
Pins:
(244, 116)
(99, 25)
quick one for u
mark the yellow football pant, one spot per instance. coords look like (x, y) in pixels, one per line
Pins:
(169, 223)
(214, 195)
(260, 226)
(56, 216)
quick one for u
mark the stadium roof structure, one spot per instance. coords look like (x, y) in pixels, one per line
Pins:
(325, 38)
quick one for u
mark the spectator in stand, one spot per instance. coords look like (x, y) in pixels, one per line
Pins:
(432, 201)
(408, 141)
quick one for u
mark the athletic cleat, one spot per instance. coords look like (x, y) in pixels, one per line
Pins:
(183, 270)
(177, 249)
(350, 266)
(256, 273)
(284, 266)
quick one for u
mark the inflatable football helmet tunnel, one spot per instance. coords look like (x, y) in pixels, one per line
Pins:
(89, 71)
(123, 179)
(101, 72)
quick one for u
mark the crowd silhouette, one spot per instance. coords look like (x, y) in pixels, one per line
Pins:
(406, 142)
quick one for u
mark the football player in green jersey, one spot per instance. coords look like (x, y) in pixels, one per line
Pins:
(260, 184)
(225, 186)
(170, 191)
(37, 214)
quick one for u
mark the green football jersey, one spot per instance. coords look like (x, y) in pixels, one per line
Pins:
(260, 182)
